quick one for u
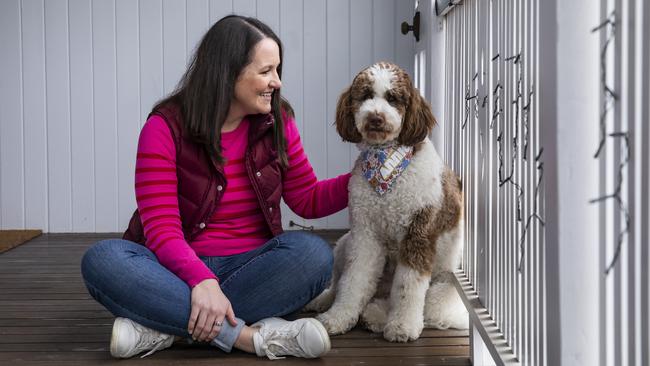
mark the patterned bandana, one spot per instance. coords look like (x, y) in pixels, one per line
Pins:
(382, 165)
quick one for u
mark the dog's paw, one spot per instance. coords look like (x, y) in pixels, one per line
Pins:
(322, 302)
(336, 324)
(375, 315)
(444, 309)
(396, 331)
(457, 320)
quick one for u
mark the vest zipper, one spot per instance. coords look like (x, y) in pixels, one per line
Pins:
(254, 182)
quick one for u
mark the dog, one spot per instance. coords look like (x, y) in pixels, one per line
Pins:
(406, 214)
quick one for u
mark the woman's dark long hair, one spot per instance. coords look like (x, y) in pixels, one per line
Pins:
(207, 88)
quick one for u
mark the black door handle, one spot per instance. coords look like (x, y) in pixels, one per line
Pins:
(415, 27)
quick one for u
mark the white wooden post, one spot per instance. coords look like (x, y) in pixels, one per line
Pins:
(575, 221)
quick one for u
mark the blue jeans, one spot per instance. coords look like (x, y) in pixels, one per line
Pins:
(275, 279)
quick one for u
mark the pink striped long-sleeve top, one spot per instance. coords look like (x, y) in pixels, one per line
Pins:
(237, 225)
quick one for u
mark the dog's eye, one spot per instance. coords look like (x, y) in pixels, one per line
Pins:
(390, 98)
(362, 94)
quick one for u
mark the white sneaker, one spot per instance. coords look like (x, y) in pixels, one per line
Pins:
(130, 338)
(300, 338)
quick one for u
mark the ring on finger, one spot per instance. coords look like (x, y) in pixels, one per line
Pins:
(218, 323)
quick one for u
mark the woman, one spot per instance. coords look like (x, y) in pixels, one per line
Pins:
(214, 159)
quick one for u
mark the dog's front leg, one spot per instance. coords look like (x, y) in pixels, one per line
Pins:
(411, 279)
(406, 318)
(364, 262)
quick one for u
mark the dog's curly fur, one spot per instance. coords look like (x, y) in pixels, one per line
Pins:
(410, 238)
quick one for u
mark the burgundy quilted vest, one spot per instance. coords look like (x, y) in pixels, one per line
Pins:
(201, 180)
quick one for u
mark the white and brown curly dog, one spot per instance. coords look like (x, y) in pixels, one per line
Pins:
(406, 211)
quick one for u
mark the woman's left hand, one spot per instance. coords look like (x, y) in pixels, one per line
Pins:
(210, 306)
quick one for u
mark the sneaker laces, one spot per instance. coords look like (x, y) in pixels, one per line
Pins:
(288, 344)
(157, 347)
(149, 338)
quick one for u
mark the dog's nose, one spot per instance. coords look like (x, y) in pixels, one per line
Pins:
(375, 121)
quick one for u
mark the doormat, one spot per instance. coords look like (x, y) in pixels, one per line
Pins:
(13, 238)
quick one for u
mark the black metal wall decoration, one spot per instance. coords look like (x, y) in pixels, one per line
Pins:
(610, 98)
(506, 170)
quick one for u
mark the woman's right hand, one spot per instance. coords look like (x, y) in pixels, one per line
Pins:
(209, 305)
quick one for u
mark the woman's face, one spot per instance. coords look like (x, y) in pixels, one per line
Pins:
(258, 80)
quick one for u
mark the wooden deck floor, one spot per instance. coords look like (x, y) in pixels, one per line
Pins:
(47, 317)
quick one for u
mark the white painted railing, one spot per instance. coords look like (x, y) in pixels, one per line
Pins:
(493, 142)
(555, 268)
(624, 158)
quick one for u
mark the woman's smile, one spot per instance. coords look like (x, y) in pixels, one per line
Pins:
(257, 82)
(267, 96)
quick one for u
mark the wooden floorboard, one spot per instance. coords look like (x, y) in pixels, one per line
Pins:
(48, 318)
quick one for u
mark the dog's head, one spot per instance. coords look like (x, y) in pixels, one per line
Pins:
(382, 106)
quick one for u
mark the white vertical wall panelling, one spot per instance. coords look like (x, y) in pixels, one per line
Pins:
(291, 35)
(35, 146)
(197, 23)
(361, 53)
(315, 80)
(173, 36)
(151, 55)
(268, 11)
(219, 9)
(404, 44)
(128, 102)
(383, 30)
(81, 116)
(58, 115)
(11, 152)
(105, 111)
(338, 78)
(245, 7)
(91, 71)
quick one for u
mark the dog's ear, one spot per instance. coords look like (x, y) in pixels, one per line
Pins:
(345, 125)
(418, 121)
